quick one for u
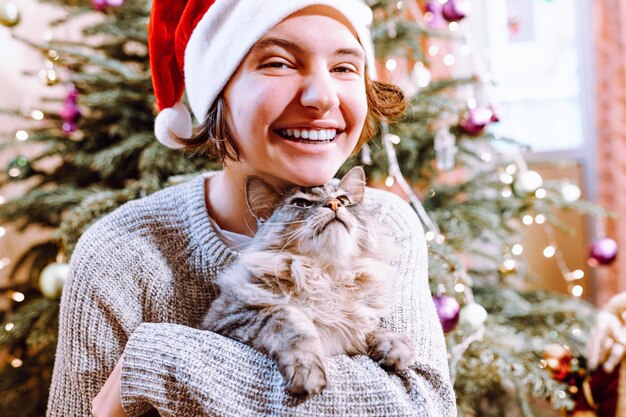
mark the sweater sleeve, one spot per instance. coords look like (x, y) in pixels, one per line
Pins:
(183, 371)
(91, 337)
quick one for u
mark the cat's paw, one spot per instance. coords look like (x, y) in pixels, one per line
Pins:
(304, 373)
(395, 351)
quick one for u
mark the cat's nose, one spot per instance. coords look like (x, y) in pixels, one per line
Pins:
(333, 204)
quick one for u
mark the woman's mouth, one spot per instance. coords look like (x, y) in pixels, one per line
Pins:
(308, 135)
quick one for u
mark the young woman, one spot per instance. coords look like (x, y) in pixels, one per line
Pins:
(284, 93)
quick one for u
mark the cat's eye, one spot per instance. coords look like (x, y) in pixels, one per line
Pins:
(344, 200)
(301, 202)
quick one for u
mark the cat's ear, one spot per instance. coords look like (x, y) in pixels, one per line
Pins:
(261, 198)
(354, 184)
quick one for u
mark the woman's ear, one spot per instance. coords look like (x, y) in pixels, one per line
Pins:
(354, 184)
(261, 198)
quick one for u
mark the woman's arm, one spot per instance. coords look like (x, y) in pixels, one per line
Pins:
(184, 371)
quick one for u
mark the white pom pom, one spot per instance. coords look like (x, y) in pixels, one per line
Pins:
(176, 120)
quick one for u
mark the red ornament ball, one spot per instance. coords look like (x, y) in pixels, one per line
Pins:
(602, 251)
(448, 309)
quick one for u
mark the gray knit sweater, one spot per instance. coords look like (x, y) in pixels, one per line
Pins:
(142, 279)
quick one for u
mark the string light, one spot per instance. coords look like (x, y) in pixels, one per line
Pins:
(509, 264)
(433, 50)
(395, 139)
(506, 178)
(2, 199)
(453, 26)
(9, 326)
(17, 296)
(3, 231)
(541, 193)
(391, 64)
(540, 219)
(430, 235)
(570, 192)
(21, 135)
(549, 251)
(486, 157)
(459, 287)
(16, 363)
(575, 275)
(506, 193)
(4, 262)
(517, 249)
(390, 181)
(527, 220)
(36, 114)
(511, 169)
(422, 75)
(449, 60)
(577, 290)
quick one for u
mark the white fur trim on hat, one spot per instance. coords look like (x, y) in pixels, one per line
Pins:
(230, 28)
(176, 120)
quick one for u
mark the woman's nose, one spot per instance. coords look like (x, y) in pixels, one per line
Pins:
(320, 92)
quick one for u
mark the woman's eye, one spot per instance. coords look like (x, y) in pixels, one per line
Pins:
(345, 69)
(276, 64)
(301, 202)
(345, 201)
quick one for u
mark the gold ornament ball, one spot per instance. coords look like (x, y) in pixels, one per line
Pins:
(52, 279)
(9, 14)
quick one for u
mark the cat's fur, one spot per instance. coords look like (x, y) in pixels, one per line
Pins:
(314, 282)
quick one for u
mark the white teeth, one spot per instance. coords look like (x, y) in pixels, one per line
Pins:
(310, 134)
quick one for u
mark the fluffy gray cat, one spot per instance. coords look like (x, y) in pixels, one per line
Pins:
(314, 282)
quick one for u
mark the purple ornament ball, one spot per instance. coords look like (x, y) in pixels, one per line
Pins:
(434, 18)
(455, 10)
(476, 120)
(99, 5)
(448, 311)
(602, 251)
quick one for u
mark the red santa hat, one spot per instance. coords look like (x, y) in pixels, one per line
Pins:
(200, 43)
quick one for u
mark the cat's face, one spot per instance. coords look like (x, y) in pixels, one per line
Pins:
(324, 221)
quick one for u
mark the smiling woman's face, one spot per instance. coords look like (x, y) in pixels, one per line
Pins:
(297, 104)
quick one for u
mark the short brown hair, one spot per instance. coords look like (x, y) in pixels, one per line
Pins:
(385, 102)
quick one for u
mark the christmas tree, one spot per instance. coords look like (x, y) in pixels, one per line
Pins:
(470, 196)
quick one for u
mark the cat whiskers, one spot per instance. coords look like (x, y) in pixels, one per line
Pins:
(291, 236)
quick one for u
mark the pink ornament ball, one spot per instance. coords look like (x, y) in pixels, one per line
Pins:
(455, 10)
(602, 251)
(448, 311)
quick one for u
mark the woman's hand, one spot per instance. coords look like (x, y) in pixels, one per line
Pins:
(607, 339)
(108, 402)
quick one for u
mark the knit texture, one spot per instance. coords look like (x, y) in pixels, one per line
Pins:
(141, 281)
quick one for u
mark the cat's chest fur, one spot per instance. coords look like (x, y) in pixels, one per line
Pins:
(345, 302)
